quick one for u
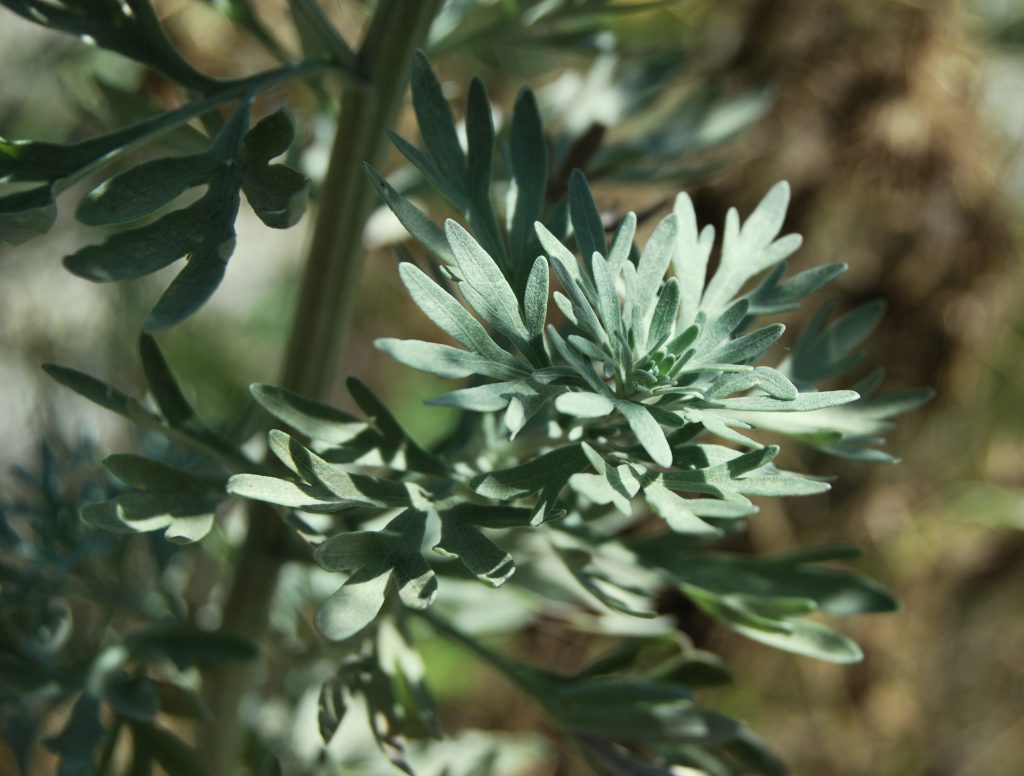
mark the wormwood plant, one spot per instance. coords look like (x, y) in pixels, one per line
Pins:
(614, 429)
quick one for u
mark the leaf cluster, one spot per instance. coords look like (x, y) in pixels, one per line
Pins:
(615, 401)
(57, 574)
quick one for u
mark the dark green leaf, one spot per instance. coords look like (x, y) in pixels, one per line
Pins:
(168, 396)
(134, 697)
(436, 123)
(411, 217)
(175, 756)
(145, 474)
(529, 163)
(92, 389)
(27, 214)
(143, 189)
(480, 142)
(187, 645)
(415, 457)
(79, 738)
(331, 708)
(277, 194)
(270, 137)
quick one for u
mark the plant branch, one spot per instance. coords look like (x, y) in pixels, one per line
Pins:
(314, 350)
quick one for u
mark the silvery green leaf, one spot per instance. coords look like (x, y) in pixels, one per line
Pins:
(622, 244)
(168, 396)
(750, 250)
(609, 484)
(583, 314)
(811, 639)
(746, 347)
(461, 539)
(562, 256)
(535, 300)
(490, 515)
(479, 141)
(648, 433)
(718, 331)
(140, 251)
(580, 366)
(644, 714)
(187, 517)
(521, 408)
(415, 581)
(584, 404)
(607, 297)
(804, 402)
(444, 360)
(554, 467)
(564, 305)
(490, 397)
(296, 495)
(195, 284)
(485, 287)
(202, 232)
(354, 549)
(722, 426)
(665, 313)
(676, 511)
(603, 585)
(591, 350)
(779, 483)
(355, 604)
(313, 419)
(771, 381)
(797, 635)
(450, 316)
(654, 261)
(349, 488)
(269, 138)
(393, 553)
(450, 187)
(146, 474)
(690, 258)
(834, 590)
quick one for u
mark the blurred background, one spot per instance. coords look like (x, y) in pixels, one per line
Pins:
(899, 125)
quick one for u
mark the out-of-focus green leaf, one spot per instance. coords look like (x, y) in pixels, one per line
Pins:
(175, 756)
(79, 738)
(187, 645)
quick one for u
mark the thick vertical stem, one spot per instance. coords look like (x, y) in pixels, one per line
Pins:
(333, 268)
(313, 356)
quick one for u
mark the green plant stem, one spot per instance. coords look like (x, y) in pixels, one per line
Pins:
(313, 355)
(526, 678)
(331, 278)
